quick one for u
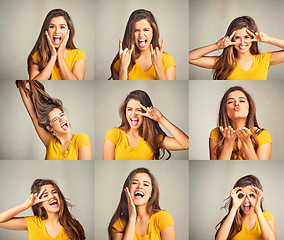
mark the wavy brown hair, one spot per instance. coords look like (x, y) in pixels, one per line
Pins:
(72, 228)
(225, 121)
(226, 63)
(43, 103)
(249, 180)
(129, 39)
(122, 208)
(41, 44)
(150, 129)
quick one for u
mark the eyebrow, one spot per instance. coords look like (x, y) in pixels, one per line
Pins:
(143, 180)
(233, 98)
(59, 24)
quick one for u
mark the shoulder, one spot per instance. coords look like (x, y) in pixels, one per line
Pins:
(33, 220)
(163, 219)
(214, 134)
(77, 53)
(263, 137)
(115, 131)
(268, 216)
(82, 138)
(119, 224)
(168, 59)
(117, 64)
(114, 135)
(263, 56)
(36, 55)
(162, 214)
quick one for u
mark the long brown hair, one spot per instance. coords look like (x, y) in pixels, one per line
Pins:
(43, 103)
(225, 121)
(122, 208)
(128, 39)
(150, 129)
(41, 44)
(249, 180)
(226, 63)
(72, 228)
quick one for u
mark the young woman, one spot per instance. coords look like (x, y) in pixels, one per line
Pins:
(51, 220)
(138, 215)
(54, 56)
(239, 135)
(140, 57)
(240, 59)
(139, 136)
(246, 218)
(51, 124)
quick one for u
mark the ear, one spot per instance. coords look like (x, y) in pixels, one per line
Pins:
(49, 128)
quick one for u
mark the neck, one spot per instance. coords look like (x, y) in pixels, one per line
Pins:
(52, 218)
(249, 215)
(64, 138)
(244, 56)
(133, 131)
(239, 123)
(142, 212)
(145, 53)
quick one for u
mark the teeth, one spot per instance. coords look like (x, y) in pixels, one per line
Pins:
(246, 205)
(54, 201)
(139, 192)
(63, 124)
(57, 37)
(134, 119)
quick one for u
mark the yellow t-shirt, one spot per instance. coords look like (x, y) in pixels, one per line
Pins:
(72, 56)
(158, 222)
(258, 71)
(122, 149)
(262, 138)
(36, 230)
(255, 233)
(54, 152)
(137, 73)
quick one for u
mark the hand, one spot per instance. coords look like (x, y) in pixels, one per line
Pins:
(62, 46)
(131, 207)
(34, 199)
(125, 55)
(257, 37)
(151, 112)
(244, 133)
(50, 44)
(228, 133)
(157, 54)
(238, 196)
(226, 41)
(258, 196)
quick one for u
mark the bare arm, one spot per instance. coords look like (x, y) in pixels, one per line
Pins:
(108, 150)
(45, 74)
(43, 135)
(85, 153)
(169, 233)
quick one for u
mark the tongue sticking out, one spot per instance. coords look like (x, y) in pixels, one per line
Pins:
(134, 122)
(65, 127)
(142, 43)
(246, 208)
(57, 40)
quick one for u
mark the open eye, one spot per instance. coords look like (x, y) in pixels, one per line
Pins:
(252, 195)
(240, 195)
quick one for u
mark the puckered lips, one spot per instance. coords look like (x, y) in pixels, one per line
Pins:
(134, 121)
(64, 126)
(57, 39)
(247, 207)
(53, 203)
(142, 42)
(236, 108)
(138, 194)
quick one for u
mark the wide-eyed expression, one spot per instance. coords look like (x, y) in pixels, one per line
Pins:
(241, 37)
(57, 30)
(50, 194)
(58, 122)
(143, 34)
(134, 119)
(140, 188)
(247, 204)
(237, 105)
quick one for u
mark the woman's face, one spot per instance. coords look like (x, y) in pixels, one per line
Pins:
(57, 30)
(140, 189)
(50, 194)
(134, 119)
(247, 204)
(240, 37)
(143, 34)
(58, 122)
(237, 105)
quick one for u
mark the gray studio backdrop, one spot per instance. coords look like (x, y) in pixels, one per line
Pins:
(169, 97)
(17, 177)
(18, 138)
(111, 17)
(209, 21)
(22, 22)
(210, 182)
(204, 102)
(173, 180)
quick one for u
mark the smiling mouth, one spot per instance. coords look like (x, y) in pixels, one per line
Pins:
(134, 121)
(57, 40)
(247, 207)
(142, 43)
(54, 203)
(242, 47)
(64, 126)
(138, 194)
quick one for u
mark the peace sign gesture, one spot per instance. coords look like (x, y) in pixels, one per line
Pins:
(151, 112)
(226, 41)
(257, 37)
(125, 55)
(34, 199)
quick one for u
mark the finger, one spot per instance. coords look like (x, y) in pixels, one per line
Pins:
(143, 107)
(141, 114)
(162, 45)
(120, 46)
(152, 50)
(253, 129)
(221, 128)
(232, 35)
(250, 33)
(41, 192)
(132, 48)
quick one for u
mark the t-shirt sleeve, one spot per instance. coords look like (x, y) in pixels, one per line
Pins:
(113, 135)
(83, 140)
(268, 216)
(80, 55)
(168, 61)
(264, 137)
(35, 56)
(28, 220)
(265, 57)
(117, 65)
(163, 220)
(119, 225)
(214, 134)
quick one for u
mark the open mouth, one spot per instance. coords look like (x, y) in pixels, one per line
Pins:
(64, 126)
(243, 47)
(247, 207)
(134, 121)
(54, 203)
(142, 43)
(138, 194)
(57, 40)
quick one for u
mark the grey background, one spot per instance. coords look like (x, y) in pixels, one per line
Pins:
(204, 102)
(18, 138)
(211, 182)
(111, 17)
(169, 97)
(16, 178)
(209, 21)
(173, 180)
(21, 25)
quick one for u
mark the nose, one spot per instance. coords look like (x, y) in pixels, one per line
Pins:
(242, 40)
(237, 103)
